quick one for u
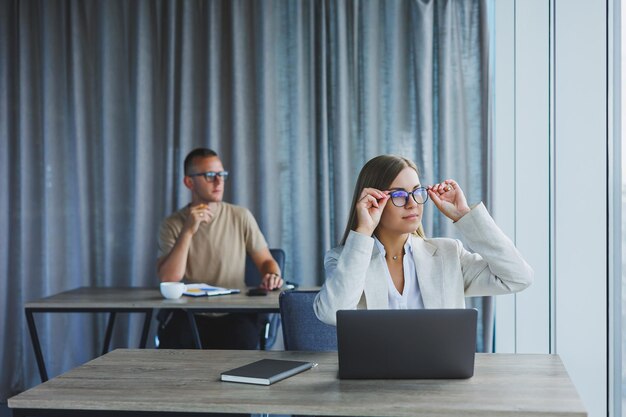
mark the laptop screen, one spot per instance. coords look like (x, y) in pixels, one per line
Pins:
(411, 344)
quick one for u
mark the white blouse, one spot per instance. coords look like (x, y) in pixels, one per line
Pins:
(411, 297)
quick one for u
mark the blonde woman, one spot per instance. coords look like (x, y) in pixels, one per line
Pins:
(385, 261)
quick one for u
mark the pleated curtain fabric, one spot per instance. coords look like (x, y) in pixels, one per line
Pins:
(100, 101)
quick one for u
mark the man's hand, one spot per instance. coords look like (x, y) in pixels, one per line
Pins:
(198, 214)
(271, 281)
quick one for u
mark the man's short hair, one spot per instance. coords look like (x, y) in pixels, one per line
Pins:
(196, 153)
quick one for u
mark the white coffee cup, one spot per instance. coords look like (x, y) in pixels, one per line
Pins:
(172, 290)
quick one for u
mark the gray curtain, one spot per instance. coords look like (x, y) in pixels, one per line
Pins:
(101, 100)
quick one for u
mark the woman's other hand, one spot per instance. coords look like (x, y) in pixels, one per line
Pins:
(369, 208)
(449, 199)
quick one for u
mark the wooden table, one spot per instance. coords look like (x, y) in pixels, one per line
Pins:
(150, 382)
(137, 300)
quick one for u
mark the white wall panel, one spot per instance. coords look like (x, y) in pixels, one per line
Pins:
(532, 170)
(521, 165)
(503, 152)
(580, 169)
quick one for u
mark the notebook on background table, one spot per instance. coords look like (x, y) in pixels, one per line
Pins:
(409, 344)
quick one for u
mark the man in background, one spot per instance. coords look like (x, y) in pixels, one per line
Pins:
(207, 242)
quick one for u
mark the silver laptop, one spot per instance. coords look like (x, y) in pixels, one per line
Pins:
(410, 344)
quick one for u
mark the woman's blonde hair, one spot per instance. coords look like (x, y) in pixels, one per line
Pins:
(379, 173)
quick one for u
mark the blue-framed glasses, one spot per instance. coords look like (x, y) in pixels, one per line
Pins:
(210, 176)
(399, 198)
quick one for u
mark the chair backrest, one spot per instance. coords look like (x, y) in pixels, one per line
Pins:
(253, 277)
(302, 330)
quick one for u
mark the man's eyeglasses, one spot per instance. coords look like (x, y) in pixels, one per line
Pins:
(399, 198)
(210, 176)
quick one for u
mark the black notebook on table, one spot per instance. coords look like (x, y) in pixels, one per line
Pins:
(266, 371)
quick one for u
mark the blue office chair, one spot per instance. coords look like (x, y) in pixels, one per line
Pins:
(302, 330)
(271, 322)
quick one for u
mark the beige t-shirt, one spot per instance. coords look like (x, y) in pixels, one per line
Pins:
(217, 255)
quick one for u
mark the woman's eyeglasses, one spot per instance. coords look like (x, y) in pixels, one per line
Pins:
(399, 198)
(210, 176)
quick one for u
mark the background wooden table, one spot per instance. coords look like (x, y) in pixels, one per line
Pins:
(170, 382)
(113, 300)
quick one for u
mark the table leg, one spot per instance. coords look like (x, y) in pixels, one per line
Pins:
(109, 332)
(194, 329)
(263, 337)
(36, 346)
(146, 329)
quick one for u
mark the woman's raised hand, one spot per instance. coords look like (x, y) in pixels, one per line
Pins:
(449, 199)
(369, 208)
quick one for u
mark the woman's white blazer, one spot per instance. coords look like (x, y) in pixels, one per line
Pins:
(446, 271)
